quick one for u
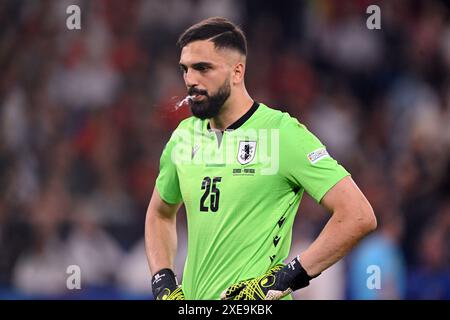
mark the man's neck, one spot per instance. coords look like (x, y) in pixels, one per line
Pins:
(231, 112)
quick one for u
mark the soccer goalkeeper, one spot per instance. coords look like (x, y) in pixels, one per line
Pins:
(240, 168)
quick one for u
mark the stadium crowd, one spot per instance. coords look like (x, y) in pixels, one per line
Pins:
(85, 114)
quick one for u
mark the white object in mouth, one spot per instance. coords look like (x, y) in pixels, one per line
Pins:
(184, 101)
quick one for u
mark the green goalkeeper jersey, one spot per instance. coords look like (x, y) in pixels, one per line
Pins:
(241, 190)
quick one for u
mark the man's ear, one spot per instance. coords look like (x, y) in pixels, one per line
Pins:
(238, 73)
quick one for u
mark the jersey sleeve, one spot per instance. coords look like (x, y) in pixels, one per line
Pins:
(305, 161)
(167, 182)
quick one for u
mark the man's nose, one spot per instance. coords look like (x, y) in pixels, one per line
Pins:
(190, 79)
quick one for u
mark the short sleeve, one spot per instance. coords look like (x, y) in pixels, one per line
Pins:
(305, 161)
(167, 182)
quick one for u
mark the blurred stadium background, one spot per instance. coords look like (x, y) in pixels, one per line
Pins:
(84, 116)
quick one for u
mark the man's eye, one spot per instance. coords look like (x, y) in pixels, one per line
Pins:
(202, 68)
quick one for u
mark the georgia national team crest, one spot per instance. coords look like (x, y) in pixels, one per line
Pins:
(246, 151)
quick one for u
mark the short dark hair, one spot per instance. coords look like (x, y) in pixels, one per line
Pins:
(222, 32)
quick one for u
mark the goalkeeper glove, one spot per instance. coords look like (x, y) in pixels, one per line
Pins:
(275, 284)
(165, 286)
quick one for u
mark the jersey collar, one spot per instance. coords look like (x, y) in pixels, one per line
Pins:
(239, 122)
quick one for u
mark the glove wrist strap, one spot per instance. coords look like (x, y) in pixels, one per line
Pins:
(164, 278)
(299, 278)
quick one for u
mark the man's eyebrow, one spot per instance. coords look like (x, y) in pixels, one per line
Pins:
(202, 65)
(197, 65)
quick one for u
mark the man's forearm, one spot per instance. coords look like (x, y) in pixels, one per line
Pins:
(337, 238)
(160, 241)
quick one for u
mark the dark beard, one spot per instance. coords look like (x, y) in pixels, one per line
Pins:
(210, 106)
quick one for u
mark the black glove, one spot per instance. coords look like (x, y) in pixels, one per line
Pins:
(165, 286)
(275, 284)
